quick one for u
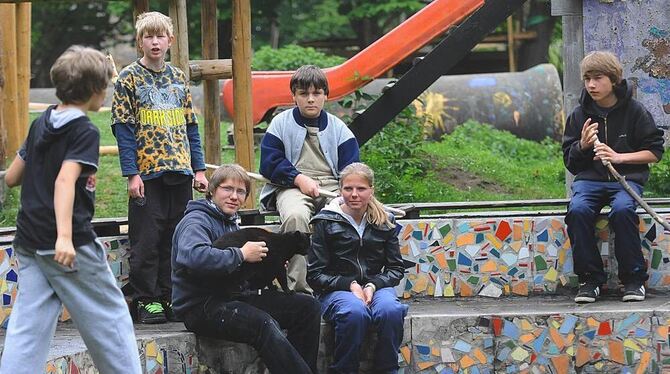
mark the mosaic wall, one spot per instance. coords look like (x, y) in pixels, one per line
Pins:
(510, 256)
(158, 356)
(560, 344)
(117, 255)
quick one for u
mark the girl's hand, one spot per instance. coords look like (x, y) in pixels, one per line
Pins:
(357, 290)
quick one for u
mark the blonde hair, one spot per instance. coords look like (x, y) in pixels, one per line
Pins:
(227, 172)
(602, 62)
(375, 210)
(153, 23)
(79, 73)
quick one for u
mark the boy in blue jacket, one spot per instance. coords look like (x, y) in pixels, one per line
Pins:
(256, 318)
(608, 125)
(304, 150)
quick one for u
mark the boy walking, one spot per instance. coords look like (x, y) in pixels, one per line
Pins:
(159, 152)
(304, 150)
(608, 125)
(60, 260)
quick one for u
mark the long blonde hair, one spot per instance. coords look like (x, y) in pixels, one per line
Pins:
(375, 210)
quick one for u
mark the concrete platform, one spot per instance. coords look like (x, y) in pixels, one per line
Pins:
(547, 334)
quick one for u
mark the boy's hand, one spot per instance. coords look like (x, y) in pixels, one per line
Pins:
(589, 135)
(307, 185)
(135, 186)
(606, 154)
(200, 182)
(64, 252)
(254, 251)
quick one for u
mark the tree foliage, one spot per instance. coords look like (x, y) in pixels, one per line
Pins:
(58, 25)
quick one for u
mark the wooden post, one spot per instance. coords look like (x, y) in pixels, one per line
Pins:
(23, 65)
(210, 50)
(179, 50)
(3, 129)
(511, 49)
(573, 53)
(139, 7)
(10, 98)
(242, 119)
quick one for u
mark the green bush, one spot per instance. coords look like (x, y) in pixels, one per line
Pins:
(396, 156)
(659, 178)
(291, 57)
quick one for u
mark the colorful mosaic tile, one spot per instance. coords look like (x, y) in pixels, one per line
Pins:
(9, 268)
(463, 345)
(118, 255)
(162, 358)
(510, 256)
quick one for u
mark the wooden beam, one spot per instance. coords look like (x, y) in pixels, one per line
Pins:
(139, 7)
(210, 69)
(511, 49)
(23, 65)
(179, 50)
(573, 53)
(242, 119)
(3, 123)
(9, 101)
(566, 7)
(210, 50)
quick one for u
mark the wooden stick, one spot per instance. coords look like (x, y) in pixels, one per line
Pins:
(622, 180)
(396, 212)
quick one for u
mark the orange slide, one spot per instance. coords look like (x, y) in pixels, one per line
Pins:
(270, 89)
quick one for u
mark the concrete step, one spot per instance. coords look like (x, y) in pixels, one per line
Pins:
(543, 334)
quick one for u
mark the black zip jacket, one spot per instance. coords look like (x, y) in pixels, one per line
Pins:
(628, 128)
(338, 255)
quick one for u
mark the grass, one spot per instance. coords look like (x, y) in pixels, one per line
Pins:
(111, 195)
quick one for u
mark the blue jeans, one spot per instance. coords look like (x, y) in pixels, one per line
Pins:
(90, 294)
(258, 320)
(352, 319)
(588, 199)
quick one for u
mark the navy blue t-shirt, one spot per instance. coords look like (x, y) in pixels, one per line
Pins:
(44, 151)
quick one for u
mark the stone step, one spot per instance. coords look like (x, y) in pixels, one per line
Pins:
(544, 334)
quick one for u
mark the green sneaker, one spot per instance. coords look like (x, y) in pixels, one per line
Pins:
(150, 312)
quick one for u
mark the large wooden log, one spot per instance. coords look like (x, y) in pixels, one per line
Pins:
(23, 65)
(3, 123)
(210, 69)
(10, 98)
(179, 50)
(242, 119)
(210, 50)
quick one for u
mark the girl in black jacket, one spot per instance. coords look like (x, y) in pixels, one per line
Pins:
(354, 263)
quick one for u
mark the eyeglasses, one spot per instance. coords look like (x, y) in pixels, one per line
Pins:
(229, 191)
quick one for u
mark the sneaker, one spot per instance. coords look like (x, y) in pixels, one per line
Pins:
(633, 292)
(169, 312)
(150, 312)
(588, 293)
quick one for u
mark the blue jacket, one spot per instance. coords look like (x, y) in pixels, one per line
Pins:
(196, 265)
(282, 144)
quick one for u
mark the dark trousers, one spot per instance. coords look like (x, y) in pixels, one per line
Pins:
(588, 198)
(151, 224)
(258, 320)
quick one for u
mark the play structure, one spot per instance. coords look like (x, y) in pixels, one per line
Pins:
(490, 287)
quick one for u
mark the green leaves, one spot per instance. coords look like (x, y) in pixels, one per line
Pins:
(292, 57)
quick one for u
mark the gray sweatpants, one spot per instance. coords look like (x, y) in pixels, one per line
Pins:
(90, 294)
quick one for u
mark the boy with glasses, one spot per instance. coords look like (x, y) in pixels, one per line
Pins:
(200, 300)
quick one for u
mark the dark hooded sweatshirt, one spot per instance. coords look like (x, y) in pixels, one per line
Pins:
(197, 267)
(627, 127)
(44, 151)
